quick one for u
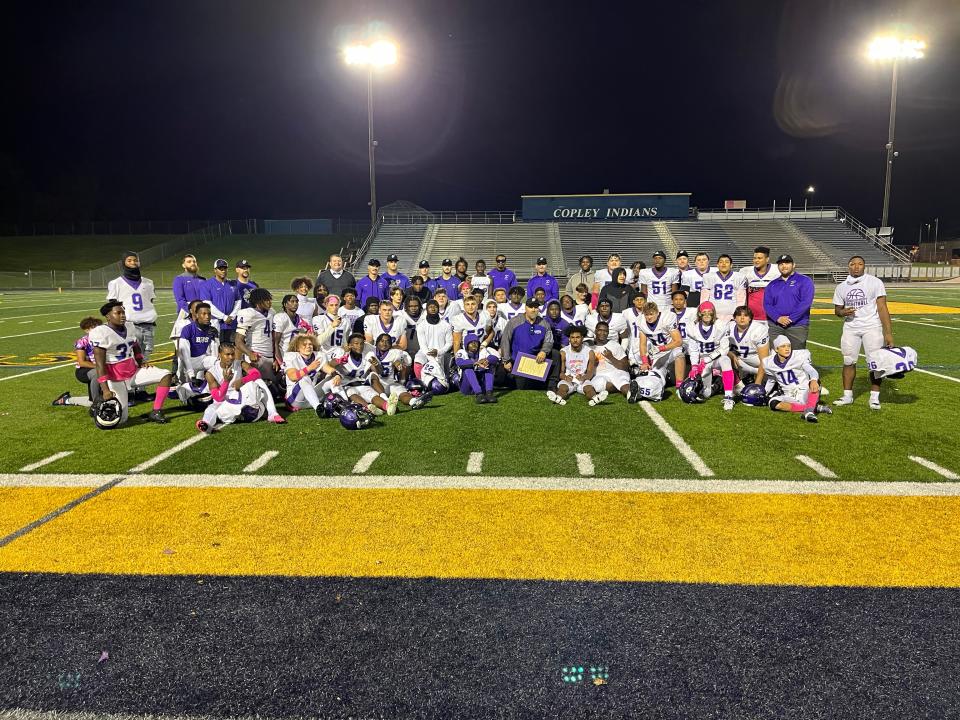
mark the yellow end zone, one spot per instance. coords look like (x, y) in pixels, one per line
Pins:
(512, 534)
(896, 308)
(21, 506)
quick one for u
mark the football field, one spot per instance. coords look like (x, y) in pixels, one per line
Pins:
(556, 561)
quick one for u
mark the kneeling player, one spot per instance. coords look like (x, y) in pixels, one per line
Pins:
(798, 380)
(120, 363)
(197, 349)
(612, 373)
(390, 367)
(478, 365)
(578, 367)
(749, 346)
(237, 392)
(301, 364)
(354, 367)
(708, 344)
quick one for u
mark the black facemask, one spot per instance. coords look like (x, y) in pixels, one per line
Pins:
(130, 273)
(433, 318)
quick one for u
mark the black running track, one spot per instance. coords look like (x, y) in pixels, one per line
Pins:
(404, 648)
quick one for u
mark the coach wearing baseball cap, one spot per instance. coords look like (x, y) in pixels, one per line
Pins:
(545, 280)
(787, 302)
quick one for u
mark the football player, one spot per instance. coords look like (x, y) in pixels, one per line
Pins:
(435, 337)
(329, 326)
(471, 323)
(616, 324)
(758, 276)
(612, 364)
(396, 299)
(306, 304)
(196, 348)
(354, 367)
(798, 381)
(349, 311)
(238, 394)
(497, 324)
(305, 368)
(572, 311)
(659, 281)
(514, 304)
(659, 345)
(725, 288)
(693, 278)
(481, 281)
(861, 300)
(478, 366)
(749, 346)
(443, 302)
(578, 366)
(86, 368)
(386, 322)
(390, 369)
(412, 314)
(120, 364)
(286, 324)
(137, 295)
(708, 344)
(254, 339)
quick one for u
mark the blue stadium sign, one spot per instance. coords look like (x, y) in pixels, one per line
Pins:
(606, 207)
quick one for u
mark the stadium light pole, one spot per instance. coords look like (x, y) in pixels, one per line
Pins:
(807, 194)
(378, 54)
(893, 49)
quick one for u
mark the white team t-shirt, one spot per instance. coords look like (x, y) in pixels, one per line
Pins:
(860, 293)
(616, 322)
(576, 362)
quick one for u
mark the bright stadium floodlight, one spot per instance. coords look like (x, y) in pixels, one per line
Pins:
(378, 54)
(890, 48)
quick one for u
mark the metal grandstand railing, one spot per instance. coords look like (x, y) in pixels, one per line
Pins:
(450, 216)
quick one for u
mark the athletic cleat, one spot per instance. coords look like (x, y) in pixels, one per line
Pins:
(392, 403)
(823, 391)
(203, 427)
(598, 398)
(277, 420)
(480, 399)
(491, 398)
(62, 400)
(374, 409)
(420, 401)
(291, 408)
(844, 401)
(634, 393)
(822, 409)
(157, 417)
(554, 398)
(810, 416)
(874, 405)
(728, 403)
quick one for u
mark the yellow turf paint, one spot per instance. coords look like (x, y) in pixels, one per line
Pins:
(896, 308)
(553, 535)
(21, 506)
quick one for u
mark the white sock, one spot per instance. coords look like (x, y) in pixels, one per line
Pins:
(848, 394)
(875, 396)
(80, 401)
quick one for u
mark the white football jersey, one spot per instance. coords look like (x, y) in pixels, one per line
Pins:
(604, 277)
(137, 299)
(616, 322)
(726, 292)
(482, 282)
(118, 345)
(437, 337)
(794, 373)
(217, 371)
(746, 343)
(660, 332)
(257, 330)
(659, 285)
(705, 339)
(296, 361)
(387, 371)
(756, 281)
(351, 315)
(373, 327)
(892, 360)
(860, 293)
(322, 322)
(650, 385)
(683, 320)
(693, 279)
(352, 371)
(475, 327)
(508, 311)
(633, 318)
(578, 316)
(288, 328)
(576, 363)
(307, 307)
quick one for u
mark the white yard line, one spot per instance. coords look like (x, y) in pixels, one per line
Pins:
(678, 442)
(919, 370)
(147, 464)
(46, 461)
(158, 306)
(53, 330)
(68, 363)
(474, 463)
(261, 461)
(942, 471)
(821, 470)
(364, 463)
(585, 464)
(489, 482)
(917, 322)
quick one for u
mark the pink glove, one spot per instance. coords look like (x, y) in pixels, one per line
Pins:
(697, 369)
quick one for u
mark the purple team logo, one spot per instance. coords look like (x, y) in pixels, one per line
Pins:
(855, 298)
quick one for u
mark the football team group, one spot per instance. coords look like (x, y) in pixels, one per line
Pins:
(356, 348)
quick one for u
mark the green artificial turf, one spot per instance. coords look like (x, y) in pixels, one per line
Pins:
(524, 434)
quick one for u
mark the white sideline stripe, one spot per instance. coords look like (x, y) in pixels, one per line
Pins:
(919, 370)
(261, 461)
(488, 482)
(46, 461)
(474, 464)
(948, 474)
(917, 322)
(157, 305)
(585, 464)
(147, 464)
(678, 442)
(821, 470)
(364, 463)
(67, 363)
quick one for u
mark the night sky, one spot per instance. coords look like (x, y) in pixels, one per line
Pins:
(238, 109)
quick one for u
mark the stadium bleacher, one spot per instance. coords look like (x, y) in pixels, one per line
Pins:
(403, 240)
(840, 243)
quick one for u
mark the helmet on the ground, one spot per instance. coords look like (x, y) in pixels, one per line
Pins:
(753, 394)
(355, 417)
(691, 390)
(415, 387)
(332, 405)
(109, 414)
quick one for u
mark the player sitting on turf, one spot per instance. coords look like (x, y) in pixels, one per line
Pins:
(86, 368)
(478, 366)
(578, 367)
(120, 364)
(196, 345)
(354, 368)
(238, 394)
(708, 344)
(254, 339)
(305, 369)
(390, 368)
(749, 346)
(659, 345)
(798, 381)
(612, 364)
